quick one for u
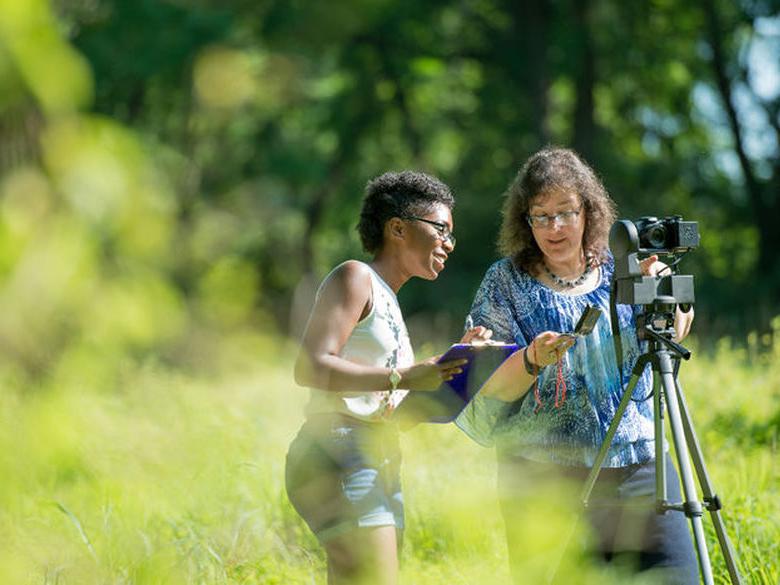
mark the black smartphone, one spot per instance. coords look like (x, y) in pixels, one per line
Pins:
(586, 323)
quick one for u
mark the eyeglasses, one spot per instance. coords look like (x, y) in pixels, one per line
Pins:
(563, 218)
(445, 235)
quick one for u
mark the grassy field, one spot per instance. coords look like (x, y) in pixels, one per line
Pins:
(177, 478)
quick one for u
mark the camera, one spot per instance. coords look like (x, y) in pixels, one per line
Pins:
(670, 234)
(629, 241)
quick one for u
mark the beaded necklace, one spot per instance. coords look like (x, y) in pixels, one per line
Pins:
(563, 283)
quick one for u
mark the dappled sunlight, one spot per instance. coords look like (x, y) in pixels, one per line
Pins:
(224, 78)
(160, 201)
(110, 183)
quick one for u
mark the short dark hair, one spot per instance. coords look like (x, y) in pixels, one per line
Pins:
(548, 170)
(404, 194)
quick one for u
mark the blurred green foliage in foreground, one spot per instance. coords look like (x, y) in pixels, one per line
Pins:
(169, 173)
(174, 478)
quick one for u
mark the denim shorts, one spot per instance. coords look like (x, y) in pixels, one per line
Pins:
(343, 473)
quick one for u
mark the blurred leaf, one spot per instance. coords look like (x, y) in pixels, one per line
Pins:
(57, 75)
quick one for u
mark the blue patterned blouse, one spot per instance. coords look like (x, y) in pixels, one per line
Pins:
(517, 307)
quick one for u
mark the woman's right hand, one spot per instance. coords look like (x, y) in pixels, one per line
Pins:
(428, 375)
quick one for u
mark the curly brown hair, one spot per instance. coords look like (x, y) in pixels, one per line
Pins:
(548, 170)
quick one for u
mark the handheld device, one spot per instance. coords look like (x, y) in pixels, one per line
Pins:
(586, 323)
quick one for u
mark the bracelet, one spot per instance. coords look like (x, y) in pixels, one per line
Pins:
(529, 367)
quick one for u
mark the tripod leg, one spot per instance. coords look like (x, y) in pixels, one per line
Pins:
(712, 501)
(691, 506)
(660, 473)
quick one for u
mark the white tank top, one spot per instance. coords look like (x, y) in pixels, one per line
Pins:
(379, 339)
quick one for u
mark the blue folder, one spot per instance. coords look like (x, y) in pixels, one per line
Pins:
(450, 398)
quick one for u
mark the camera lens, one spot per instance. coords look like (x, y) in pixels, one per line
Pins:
(652, 232)
(655, 236)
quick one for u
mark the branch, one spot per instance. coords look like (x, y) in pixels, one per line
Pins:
(724, 88)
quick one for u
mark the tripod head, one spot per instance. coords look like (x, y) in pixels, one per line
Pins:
(656, 324)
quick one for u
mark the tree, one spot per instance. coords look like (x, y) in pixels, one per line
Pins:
(731, 73)
(269, 117)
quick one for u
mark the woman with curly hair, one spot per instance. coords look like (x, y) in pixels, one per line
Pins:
(342, 472)
(547, 410)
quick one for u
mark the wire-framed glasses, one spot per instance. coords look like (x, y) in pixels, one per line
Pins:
(445, 235)
(563, 218)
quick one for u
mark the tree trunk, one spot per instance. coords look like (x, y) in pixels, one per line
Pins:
(20, 130)
(529, 62)
(764, 202)
(584, 135)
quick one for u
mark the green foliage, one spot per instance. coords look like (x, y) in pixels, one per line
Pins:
(170, 172)
(175, 478)
(45, 64)
(256, 126)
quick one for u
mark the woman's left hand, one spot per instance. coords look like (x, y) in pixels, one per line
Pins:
(477, 334)
(650, 266)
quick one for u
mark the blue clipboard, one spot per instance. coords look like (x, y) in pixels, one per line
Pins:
(445, 403)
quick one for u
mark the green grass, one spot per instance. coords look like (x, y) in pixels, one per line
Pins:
(178, 478)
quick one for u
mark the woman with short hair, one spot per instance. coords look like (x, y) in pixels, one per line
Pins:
(342, 471)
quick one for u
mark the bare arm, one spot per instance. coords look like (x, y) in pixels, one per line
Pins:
(682, 323)
(343, 298)
(342, 301)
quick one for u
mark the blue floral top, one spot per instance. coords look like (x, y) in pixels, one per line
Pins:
(517, 307)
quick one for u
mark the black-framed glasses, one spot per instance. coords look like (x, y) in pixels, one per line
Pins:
(563, 218)
(445, 235)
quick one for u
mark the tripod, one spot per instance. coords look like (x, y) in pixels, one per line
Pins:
(656, 328)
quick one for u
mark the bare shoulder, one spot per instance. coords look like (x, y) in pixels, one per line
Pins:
(350, 273)
(350, 280)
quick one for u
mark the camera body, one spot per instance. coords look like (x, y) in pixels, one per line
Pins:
(670, 234)
(671, 237)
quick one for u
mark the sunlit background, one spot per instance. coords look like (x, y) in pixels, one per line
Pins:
(176, 177)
